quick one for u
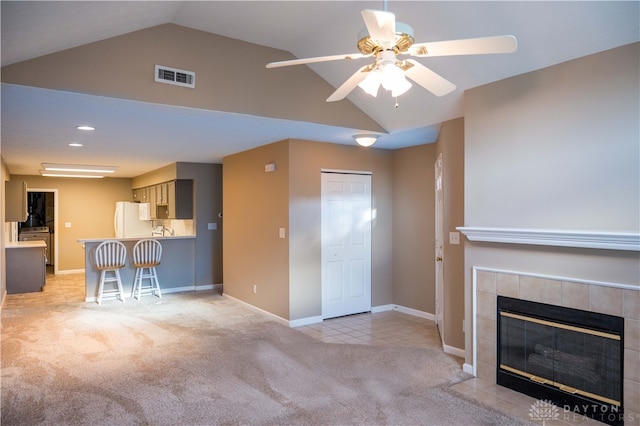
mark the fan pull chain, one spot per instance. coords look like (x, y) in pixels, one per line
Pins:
(396, 105)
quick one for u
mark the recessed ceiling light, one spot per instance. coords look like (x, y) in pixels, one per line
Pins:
(75, 144)
(85, 127)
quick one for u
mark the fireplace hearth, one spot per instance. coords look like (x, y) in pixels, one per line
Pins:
(571, 357)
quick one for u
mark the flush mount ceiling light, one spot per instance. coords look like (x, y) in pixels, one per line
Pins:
(85, 127)
(76, 170)
(365, 140)
(75, 144)
(69, 175)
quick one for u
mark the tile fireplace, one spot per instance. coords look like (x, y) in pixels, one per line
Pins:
(600, 298)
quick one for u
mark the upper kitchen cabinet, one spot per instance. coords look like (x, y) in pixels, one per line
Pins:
(179, 200)
(15, 201)
(168, 200)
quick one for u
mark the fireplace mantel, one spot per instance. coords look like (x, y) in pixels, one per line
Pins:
(551, 237)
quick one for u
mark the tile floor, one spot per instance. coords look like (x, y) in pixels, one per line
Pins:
(382, 328)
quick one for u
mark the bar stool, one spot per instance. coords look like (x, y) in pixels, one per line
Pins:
(110, 257)
(146, 256)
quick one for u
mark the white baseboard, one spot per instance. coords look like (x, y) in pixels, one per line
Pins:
(414, 312)
(382, 308)
(306, 321)
(70, 271)
(255, 308)
(467, 368)
(453, 351)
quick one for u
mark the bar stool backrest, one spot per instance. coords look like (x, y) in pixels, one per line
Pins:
(147, 252)
(110, 254)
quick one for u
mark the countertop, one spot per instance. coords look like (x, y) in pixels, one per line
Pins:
(159, 238)
(26, 244)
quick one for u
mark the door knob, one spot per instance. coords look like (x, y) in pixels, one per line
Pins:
(439, 259)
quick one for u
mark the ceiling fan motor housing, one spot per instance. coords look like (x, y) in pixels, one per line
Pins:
(404, 39)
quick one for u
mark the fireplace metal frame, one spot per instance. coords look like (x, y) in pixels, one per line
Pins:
(533, 386)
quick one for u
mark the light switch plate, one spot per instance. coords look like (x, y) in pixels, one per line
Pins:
(212, 226)
(282, 233)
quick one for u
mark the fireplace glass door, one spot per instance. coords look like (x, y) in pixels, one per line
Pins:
(550, 347)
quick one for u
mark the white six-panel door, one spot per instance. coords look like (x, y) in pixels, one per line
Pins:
(346, 244)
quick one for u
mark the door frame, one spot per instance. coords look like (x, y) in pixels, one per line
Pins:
(56, 227)
(439, 244)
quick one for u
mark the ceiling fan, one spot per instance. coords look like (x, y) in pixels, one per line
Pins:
(385, 39)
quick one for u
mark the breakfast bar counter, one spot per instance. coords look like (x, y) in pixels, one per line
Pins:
(176, 271)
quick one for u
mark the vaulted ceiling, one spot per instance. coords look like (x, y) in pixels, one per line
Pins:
(35, 120)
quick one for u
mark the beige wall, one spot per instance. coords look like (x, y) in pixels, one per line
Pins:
(255, 207)
(88, 205)
(413, 227)
(556, 148)
(256, 203)
(123, 67)
(307, 159)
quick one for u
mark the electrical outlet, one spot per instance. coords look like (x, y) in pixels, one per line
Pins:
(255, 289)
(454, 238)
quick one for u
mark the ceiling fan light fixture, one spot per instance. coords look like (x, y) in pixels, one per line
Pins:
(365, 139)
(371, 83)
(400, 87)
(392, 76)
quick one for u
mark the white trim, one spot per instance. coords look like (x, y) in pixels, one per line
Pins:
(468, 368)
(414, 312)
(164, 291)
(382, 308)
(69, 271)
(551, 237)
(474, 310)
(306, 321)
(255, 308)
(347, 172)
(453, 351)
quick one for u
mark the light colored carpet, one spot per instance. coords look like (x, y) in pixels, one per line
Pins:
(201, 359)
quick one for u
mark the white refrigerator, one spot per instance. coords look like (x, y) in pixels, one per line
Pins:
(127, 221)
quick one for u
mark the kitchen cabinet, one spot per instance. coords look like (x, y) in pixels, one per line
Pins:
(168, 200)
(153, 202)
(25, 266)
(162, 193)
(179, 200)
(15, 201)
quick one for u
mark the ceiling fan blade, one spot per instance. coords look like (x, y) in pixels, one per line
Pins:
(316, 59)
(426, 78)
(380, 25)
(350, 84)
(470, 46)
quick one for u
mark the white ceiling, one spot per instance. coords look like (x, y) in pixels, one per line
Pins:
(35, 122)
